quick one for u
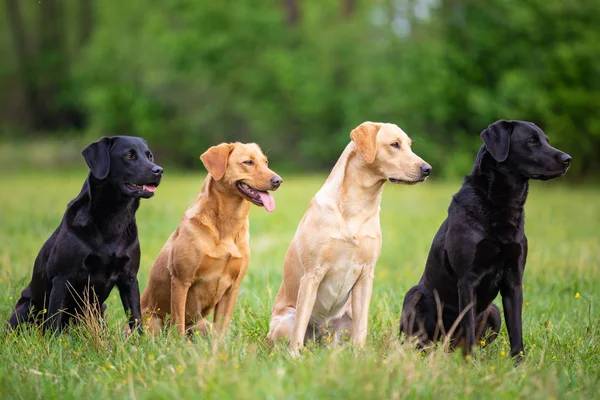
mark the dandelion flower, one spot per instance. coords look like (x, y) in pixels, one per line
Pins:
(45, 311)
(502, 354)
(10, 298)
(526, 304)
(492, 367)
(482, 342)
(577, 295)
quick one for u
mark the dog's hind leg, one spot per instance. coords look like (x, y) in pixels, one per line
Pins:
(342, 327)
(488, 324)
(281, 325)
(419, 316)
(21, 313)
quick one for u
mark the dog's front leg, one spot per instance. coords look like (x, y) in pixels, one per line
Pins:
(466, 307)
(224, 309)
(179, 292)
(129, 290)
(361, 299)
(512, 300)
(307, 295)
(54, 322)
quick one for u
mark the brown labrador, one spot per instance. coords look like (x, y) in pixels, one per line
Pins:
(202, 265)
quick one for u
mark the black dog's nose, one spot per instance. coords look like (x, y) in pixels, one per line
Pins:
(566, 159)
(276, 181)
(425, 169)
(157, 170)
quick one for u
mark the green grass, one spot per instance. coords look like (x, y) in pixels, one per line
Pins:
(561, 332)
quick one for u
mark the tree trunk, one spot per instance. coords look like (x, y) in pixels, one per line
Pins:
(348, 7)
(292, 13)
(26, 73)
(86, 21)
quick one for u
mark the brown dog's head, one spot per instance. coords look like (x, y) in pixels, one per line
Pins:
(243, 169)
(387, 149)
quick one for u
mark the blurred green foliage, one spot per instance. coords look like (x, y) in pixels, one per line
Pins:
(297, 76)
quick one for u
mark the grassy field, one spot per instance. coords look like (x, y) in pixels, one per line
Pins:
(560, 323)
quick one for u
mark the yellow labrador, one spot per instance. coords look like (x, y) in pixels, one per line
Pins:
(338, 241)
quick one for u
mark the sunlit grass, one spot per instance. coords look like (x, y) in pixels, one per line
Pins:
(561, 332)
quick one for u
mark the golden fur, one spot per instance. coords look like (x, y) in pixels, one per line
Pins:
(329, 266)
(202, 264)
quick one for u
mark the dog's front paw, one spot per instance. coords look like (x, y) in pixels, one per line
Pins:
(518, 357)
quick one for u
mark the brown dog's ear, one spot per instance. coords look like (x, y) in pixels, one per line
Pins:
(497, 139)
(97, 157)
(364, 137)
(215, 159)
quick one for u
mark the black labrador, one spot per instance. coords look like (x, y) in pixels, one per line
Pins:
(481, 248)
(96, 245)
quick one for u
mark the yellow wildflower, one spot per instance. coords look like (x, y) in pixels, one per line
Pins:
(502, 354)
(577, 295)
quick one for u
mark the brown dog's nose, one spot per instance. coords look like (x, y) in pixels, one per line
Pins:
(425, 169)
(276, 181)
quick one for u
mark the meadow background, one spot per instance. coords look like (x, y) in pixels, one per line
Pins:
(560, 316)
(296, 77)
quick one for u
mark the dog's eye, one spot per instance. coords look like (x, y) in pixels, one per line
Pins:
(150, 157)
(396, 145)
(249, 162)
(129, 155)
(532, 141)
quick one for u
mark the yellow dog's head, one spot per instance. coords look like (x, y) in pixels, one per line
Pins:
(387, 150)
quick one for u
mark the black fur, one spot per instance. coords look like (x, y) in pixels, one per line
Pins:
(481, 247)
(96, 245)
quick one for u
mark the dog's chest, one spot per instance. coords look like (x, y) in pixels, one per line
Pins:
(104, 269)
(219, 268)
(346, 262)
(493, 259)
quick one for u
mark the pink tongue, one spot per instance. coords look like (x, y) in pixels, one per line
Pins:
(150, 188)
(267, 200)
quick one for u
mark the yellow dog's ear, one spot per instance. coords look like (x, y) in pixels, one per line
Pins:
(215, 159)
(364, 137)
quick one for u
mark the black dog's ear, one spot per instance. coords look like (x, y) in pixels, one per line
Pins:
(97, 157)
(497, 139)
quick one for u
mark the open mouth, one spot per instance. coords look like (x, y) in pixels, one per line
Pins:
(258, 197)
(396, 180)
(147, 188)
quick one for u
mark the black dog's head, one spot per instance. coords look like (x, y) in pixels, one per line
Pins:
(125, 162)
(523, 148)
